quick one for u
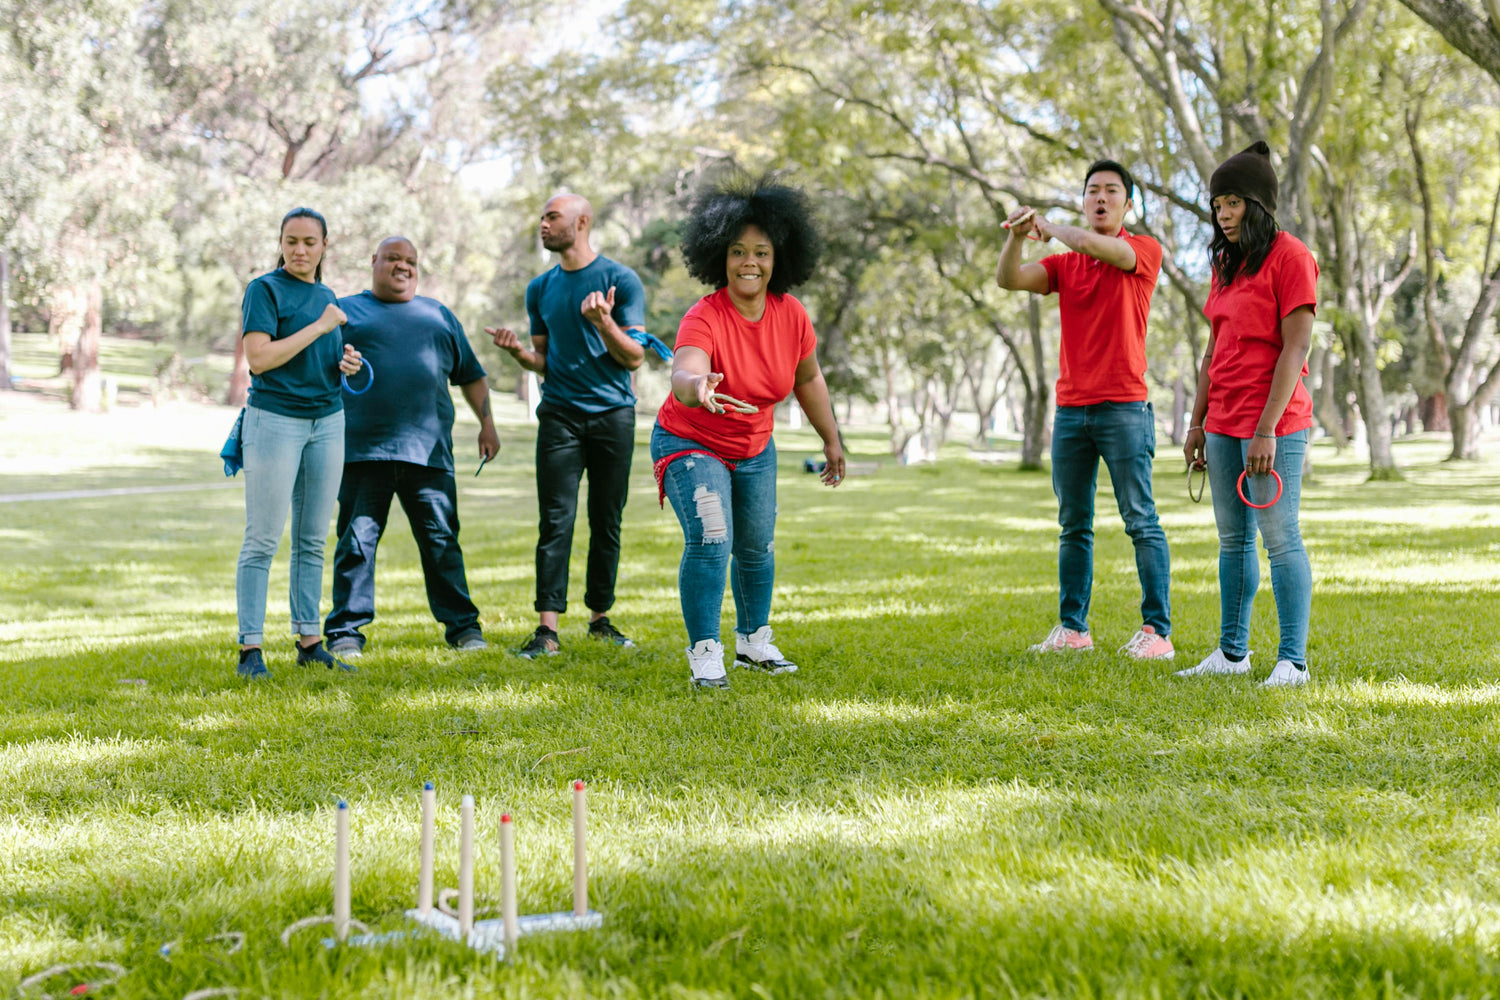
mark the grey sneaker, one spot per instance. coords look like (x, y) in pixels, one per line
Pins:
(316, 654)
(470, 642)
(600, 628)
(350, 647)
(543, 642)
(252, 666)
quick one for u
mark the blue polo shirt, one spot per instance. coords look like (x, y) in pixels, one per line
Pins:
(417, 350)
(308, 385)
(580, 372)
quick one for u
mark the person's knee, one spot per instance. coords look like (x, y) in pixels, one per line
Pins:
(713, 520)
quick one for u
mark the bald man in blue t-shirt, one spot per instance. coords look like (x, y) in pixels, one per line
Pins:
(588, 334)
(398, 443)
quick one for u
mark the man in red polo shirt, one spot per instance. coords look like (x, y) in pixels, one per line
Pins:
(1104, 291)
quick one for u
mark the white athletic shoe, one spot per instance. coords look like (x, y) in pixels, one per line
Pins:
(706, 661)
(756, 651)
(1285, 674)
(1217, 664)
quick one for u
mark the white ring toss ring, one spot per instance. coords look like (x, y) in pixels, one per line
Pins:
(117, 972)
(305, 922)
(730, 403)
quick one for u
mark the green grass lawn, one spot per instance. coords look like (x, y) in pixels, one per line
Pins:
(923, 811)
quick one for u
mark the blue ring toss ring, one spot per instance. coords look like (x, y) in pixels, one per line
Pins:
(359, 392)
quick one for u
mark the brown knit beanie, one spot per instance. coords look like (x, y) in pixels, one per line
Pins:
(1248, 174)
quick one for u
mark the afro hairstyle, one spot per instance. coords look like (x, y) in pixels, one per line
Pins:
(721, 211)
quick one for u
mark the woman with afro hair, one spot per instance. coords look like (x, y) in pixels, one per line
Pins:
(740, 350)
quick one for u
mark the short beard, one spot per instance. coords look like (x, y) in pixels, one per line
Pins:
(559, 243)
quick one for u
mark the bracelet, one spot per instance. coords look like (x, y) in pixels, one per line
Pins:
(1196, 427)
(1271, 437)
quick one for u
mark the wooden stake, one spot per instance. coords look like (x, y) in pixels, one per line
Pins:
(508, 883)
(341, 895)
(429, 824)
(580, 852)
(466, 866)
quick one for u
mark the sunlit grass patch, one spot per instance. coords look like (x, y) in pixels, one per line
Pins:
(924, 809)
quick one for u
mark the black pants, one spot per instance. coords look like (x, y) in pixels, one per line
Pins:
(569, 443)
(430, 499)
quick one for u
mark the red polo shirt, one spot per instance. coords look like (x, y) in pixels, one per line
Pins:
(758, 361)
(1104, 311)
(1246, 319)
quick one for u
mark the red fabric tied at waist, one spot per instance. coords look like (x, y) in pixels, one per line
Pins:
(660, 469)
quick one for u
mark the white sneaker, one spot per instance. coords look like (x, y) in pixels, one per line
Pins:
(706, 661)
(1285, 674)
(1217, 664)
(756, 651)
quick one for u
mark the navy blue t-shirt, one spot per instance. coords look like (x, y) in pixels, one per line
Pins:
(308, 385)
(580, 372)
(417, 349)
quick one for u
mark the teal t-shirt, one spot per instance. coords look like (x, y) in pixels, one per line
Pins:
(308, 385)
(417, 350)
(580, 371)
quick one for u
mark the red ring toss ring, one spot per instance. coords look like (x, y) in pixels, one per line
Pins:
(1240, 489)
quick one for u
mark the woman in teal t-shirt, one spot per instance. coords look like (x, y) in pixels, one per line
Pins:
(293, 435)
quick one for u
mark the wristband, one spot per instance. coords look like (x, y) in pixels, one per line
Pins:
(1271, 437)
(1196, 427)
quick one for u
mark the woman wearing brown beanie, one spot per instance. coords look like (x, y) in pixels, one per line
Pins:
(1252, 415)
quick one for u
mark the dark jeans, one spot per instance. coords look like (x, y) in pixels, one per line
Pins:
(430, 499)
(570, 443)
(1124, 435)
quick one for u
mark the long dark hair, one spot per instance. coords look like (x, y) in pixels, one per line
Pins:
(722, 210)
(1258, 231)
(306, 213)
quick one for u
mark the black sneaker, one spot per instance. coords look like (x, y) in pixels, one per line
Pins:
(317, 654)
(252, 665)
(600, 628)
(543, 642)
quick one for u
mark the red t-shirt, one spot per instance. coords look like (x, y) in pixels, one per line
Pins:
(759, 363)
(1246, 319)
(1104, 310)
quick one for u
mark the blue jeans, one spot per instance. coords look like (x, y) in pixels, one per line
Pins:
(290, 463)
(728, 521)
(1239, 568)
(1124, 435)
(429, 497)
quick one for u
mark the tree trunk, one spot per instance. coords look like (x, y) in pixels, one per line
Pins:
(86, 394)
(1179, 410)
(1374, 409)
(1465, 425)
(5, 377)
(1034, 431)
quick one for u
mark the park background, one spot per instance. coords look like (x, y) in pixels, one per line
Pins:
(922, 811)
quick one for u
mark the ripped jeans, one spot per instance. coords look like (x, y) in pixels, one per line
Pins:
(728, 521)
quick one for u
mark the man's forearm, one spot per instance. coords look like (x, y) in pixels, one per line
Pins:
(1008, 274)
(621, 346)
(477, 393)
(1110, 249)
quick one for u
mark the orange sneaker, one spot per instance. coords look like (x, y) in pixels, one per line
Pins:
(1064, 640)
(1147, 645)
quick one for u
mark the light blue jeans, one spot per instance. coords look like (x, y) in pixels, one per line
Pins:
(1239, 567)
(728, 521)
(290, 463)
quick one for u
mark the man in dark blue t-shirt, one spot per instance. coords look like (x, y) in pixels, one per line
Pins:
(398, 442)
(588, 334)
